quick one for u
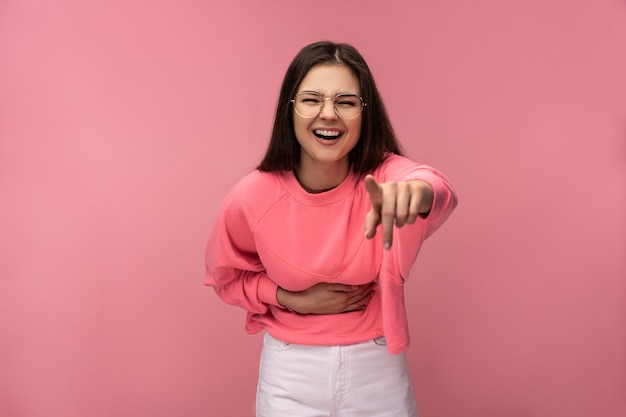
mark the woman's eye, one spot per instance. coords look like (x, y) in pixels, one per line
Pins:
(311, 100)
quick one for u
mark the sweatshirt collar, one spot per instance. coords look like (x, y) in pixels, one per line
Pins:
(293, 187)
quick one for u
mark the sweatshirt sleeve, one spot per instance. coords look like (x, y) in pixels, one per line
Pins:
(233, 267)
(407, 241)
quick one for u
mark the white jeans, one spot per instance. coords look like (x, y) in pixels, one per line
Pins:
(360, 380)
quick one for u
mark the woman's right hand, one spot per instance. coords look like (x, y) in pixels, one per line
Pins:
(327, 298)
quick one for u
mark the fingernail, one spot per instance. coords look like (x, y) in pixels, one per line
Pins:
(387, 245)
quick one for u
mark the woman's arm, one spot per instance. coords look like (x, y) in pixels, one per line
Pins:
(233, 267)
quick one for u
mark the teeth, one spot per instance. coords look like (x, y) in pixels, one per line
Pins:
(332, 133)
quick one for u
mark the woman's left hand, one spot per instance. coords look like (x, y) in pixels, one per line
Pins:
(399, 202)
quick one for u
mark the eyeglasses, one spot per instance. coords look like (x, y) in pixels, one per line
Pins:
(309, 104)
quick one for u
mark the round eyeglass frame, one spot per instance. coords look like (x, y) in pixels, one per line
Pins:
(324, 99)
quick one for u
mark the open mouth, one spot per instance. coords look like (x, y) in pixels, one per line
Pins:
(327, 134)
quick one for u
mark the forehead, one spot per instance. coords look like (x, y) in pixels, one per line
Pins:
(330, 80)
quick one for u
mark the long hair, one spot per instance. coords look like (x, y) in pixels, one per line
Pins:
(377, 136)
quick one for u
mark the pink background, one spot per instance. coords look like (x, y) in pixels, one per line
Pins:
(123, 124)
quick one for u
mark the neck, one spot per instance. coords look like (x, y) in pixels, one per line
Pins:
(321, 178)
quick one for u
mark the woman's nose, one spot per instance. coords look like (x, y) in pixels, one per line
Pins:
(328, 109)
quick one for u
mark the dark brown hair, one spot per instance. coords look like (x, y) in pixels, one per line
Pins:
(377, 136)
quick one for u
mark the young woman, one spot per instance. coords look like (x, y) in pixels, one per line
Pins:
(296, 244)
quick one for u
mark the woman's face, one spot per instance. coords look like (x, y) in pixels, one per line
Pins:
(327, 139)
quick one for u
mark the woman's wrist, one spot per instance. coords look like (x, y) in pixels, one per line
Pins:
(428, 196)
(283, 298)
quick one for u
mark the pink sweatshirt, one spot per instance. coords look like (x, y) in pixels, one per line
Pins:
(270, 232)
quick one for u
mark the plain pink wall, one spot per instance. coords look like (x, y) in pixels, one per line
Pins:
(124, 123)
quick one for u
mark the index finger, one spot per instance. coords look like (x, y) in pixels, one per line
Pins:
(342, 287)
